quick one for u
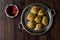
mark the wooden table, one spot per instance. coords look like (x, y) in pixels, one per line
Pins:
(9, 29)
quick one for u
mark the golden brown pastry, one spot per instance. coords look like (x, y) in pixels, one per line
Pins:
(31, 24)
(38, 27)
(30, 16)
(45, 20)
(41, 12)
(37, 19)
(35, 9)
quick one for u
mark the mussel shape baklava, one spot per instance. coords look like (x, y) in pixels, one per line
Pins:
(38, 27)
(31, 24)
(38, 19)
(45, 20)
(41, 12)
(30, 17)
(34, 9)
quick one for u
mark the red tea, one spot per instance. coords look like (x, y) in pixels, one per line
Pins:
(11, 10)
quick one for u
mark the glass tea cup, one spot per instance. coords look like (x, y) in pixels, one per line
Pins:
(11, 10)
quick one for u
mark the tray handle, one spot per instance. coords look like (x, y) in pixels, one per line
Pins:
(53, 12)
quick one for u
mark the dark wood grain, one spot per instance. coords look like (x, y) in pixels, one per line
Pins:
(9, 27)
